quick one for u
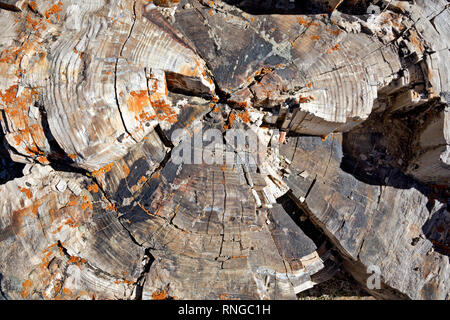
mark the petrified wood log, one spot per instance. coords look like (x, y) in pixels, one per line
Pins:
(348, 103)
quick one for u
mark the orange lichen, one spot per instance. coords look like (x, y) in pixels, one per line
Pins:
(111, 207)
(26, 286)
(53, 9)
(72, 203)
(315, 38)
(145, 210)
(26, 191)
(102, 170)
(126, 170)
(43, 160)
(86, 205)
(71, 223)
(33, 5)
(231, 119)
(302, 99)
(223, 296)
(138, 100)
(302, 21)
(334, 48)
(93, 188)
(72, 156)
(159, 295)
(163, 110)
(245, 116)
(77, 260)
(336, 32)
(67, 292)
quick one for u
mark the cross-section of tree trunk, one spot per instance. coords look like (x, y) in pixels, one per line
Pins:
(346, 101)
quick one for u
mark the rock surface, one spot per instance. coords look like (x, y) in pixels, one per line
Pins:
(348, 101)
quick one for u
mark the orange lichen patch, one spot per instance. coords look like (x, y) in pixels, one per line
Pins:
(252, 19)
(282, 137)
(71, 223)
(43, 160)
(26, 191)
(26, 286)
(334, 48)
(126, 170)
(315, 38)
(53, 9)
(145, 210)
(111, 207)
(31, 23)
(57, 287)
(102, 170)
(138, 100)
(45, 260)
(211, 12)
(223, 168)
(10, 95)
(306, 22)
(336, 32)
(139, 184)
(223, 182)
(302, 99)
(67, 292)
(323, 138)
(159, 294)
(156, 175)
(93, 188)
(302, 21)
(33, 5)
(72, 156)
(224, 296)
(231, 119)
(245, 116)
(128, 281)
(263, 71)
(145, 116)
(72, 203)
(164, 112)
(76, 260)
(415, 41)
(26, 133)
(86, 205)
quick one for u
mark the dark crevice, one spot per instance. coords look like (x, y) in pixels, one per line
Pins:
(58, 158)
(115, 73)
(163, 137)
(8, 7)
(3, 295)
(9, 170)
(300, 217)
(149, 259)
(334, 263)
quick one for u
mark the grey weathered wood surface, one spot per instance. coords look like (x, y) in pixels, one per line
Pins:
(91, 92)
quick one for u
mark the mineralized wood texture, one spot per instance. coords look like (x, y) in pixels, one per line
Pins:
(92, 91)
